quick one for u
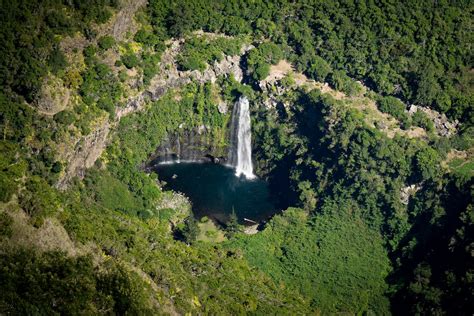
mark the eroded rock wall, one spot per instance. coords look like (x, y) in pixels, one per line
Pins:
(194, 144)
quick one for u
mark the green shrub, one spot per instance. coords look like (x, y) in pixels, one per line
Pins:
(130, 60)
(65, 118)
(12, 167)
(111, 193)
(199, 51)
(53, 283)
(419, 118)
(57, 61)
(189, 231)
(392, 106)
(332, 258)
(427, 163)
(106, 42)
(319, 69)
(259, 59)
(90, 51)
(6, 222)
(39, 200)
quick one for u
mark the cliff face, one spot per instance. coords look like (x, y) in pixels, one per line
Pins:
(194, 145)
(185, 144)
(84, 152)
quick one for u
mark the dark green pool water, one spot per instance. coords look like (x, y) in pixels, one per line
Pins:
(214, 191)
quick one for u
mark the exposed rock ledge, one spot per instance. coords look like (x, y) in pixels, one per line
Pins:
(169, 77)
(86, 151)
(441, 123)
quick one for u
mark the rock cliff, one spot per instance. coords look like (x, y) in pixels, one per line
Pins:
(86, 149)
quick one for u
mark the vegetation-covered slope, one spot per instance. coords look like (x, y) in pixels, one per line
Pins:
(381, 201)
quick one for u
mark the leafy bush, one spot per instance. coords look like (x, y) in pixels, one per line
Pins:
(106, 42)
(199, 51)
(394, 107)
(54, 283)
(39, 200)
(6, 222)
(340, 81)
(101, 88)
(111, 193)
(259, 59)
(427, 163)
(236, 25)
(306, 255)
(319, 69)
(12, 167)
(150, 66)
(57, 61)
(130, 60)
(419, 118)
(189, 230)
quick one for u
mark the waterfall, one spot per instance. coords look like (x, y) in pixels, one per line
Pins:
(178, 148)
(240, 152)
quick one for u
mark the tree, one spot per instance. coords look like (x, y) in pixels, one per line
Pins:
(191, 230)
(232, 225)
(319, 69)
(420, 119)
(427, 163)
(392, 106)
(427, 85)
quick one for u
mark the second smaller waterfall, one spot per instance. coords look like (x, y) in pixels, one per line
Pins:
(240, 153)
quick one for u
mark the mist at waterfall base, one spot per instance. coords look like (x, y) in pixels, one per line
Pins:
(215, 190)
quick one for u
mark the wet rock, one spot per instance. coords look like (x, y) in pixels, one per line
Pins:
(189, 145)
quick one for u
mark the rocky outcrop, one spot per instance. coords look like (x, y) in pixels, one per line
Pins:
(133, 105)
(122, 24)
(86, 151)
(193, 144)
(53, 97)
(169, 77)
(222, 107)
(441, 123)
(407, 192)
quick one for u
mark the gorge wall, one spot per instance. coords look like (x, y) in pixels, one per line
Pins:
(86, 149)
(189, 145)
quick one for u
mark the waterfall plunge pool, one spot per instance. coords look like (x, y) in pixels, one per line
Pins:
(215, 191)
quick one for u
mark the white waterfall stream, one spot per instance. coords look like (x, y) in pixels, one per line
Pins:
(240, 153)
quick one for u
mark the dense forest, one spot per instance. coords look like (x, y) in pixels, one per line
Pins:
(366, 142)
